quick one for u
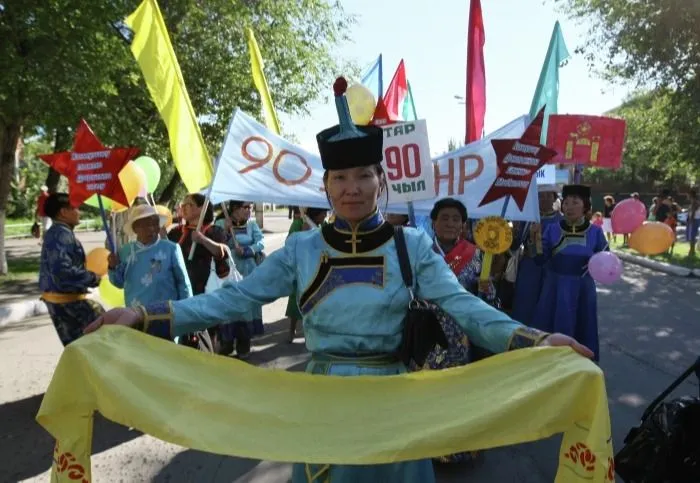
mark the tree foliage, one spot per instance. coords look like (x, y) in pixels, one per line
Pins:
(654, 44)
(654, 151)
(62, 60)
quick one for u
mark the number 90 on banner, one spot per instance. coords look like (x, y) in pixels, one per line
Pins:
(407, 163)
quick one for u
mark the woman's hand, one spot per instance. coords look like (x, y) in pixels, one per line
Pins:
(484, 286)
(228, 225)
(128, 317)
(113, 260)
(560, 340)
(239, 250)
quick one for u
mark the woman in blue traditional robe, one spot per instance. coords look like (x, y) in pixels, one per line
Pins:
(313, 218)
(351, 292)
(568, 302)
(531, 273)
(246, 242)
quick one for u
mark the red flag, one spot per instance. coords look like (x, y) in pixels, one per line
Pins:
(590, 140)
(381, 116)
(476, 74)
(396, 93)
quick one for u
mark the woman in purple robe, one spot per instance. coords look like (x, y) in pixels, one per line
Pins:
(568, 302)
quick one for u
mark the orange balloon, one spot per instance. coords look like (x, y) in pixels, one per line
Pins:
(133, 180)
(96, 261)
(165, 211)
(652, 238)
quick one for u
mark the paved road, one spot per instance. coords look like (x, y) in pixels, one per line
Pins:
(650, 330)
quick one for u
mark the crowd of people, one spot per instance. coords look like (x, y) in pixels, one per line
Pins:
(346, 279)
(158, 265)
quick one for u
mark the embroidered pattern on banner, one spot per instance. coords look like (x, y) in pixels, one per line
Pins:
(67, 463)
(581, 454)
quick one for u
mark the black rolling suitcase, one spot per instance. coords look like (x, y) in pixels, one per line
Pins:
(665, 447)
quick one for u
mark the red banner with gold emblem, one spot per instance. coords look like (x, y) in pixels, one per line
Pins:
(590, 140)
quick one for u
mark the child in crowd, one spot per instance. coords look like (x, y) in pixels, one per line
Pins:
(149, 269)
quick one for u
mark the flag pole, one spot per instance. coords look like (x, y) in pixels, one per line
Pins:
(105, 226)
(413, 104)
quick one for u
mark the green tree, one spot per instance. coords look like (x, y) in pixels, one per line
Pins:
(654, 44)
(62, 60)
(453, 144)
(653, 150)
(26, 186)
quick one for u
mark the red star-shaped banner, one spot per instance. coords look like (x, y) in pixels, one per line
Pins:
(91, 168)
(518, 160)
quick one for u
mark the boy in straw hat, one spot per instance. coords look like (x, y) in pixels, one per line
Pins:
(149, 269)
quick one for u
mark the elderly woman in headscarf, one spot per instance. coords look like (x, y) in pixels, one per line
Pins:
(465, 261)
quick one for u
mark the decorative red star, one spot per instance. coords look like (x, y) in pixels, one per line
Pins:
(518, 160)
(91, 168)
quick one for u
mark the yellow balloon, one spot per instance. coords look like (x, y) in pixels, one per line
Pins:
(96, 261)
(652, 238)
(362, 103)
(165, 211)
(133, 180)
(111, 295)
(118, 208)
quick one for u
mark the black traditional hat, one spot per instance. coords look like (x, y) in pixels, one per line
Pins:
(583, 192)
(347, 145)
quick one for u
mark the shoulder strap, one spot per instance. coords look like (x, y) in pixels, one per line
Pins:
(404, 260)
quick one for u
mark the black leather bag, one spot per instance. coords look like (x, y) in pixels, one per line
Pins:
(421, 328)
(665, 447)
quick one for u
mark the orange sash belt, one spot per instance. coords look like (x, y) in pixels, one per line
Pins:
(62, 298)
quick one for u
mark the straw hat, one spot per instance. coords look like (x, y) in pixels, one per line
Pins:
(139, 213)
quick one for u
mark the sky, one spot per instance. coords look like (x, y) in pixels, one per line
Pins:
(431, 37)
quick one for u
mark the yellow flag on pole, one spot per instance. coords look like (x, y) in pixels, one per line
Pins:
(256, 65)
(153, 51)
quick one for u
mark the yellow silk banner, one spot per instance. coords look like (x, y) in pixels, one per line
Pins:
(220, 405)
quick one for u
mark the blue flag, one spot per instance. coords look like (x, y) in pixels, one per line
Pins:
(373, 78)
